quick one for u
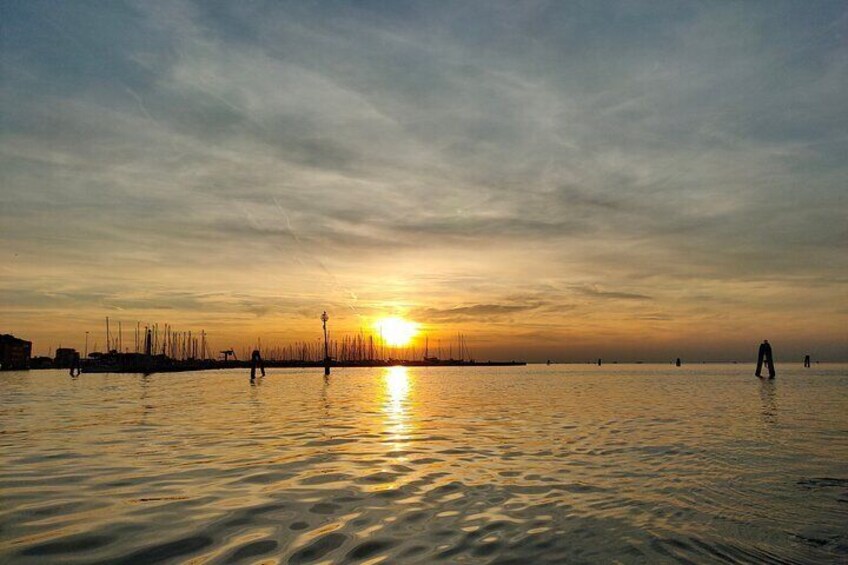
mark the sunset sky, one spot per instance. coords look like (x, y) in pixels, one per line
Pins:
(566, 180)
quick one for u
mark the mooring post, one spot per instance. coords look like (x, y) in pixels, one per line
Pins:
(678, 362)
(324, 319)
(256, 361)
(76, 365)
(599, 361)
(765, 356)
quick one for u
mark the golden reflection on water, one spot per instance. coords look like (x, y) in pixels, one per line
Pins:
(396, 386)
(396, 380)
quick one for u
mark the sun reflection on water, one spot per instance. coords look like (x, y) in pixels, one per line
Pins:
(396, 389)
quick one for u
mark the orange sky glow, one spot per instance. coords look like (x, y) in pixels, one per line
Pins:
(553, 182)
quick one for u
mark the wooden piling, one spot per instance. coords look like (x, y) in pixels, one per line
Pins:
(256, 362)
(764, 356)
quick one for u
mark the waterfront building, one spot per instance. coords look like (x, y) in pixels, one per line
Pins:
(65, 358)
(14, 353)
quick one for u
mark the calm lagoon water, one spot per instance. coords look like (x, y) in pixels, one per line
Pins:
(568, 463)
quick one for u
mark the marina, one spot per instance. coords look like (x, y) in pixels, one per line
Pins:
(171, 351)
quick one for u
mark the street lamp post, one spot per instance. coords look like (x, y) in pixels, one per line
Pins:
(85, 356)
(324, 318)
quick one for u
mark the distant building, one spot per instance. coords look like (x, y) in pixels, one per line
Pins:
(14, 353)
(41, 363)
(65, 357)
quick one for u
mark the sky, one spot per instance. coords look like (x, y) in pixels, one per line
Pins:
(556, 180)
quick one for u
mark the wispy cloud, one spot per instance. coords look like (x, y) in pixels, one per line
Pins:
(626, 161)
(594, 292)
(471, 312)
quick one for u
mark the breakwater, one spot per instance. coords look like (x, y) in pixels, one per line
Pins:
(139, 363)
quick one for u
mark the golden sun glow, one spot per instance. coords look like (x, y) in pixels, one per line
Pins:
(396, 332)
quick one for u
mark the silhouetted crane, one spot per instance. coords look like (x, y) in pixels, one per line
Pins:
(227, 354)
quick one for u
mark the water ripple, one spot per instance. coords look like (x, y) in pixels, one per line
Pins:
(514, 465)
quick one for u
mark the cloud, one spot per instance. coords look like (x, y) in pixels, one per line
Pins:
(469, 312)
(611, 295)
(421, 156)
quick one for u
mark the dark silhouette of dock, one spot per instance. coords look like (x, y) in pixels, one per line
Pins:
(138, 363)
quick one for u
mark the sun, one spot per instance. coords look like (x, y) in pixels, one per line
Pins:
(396, 332)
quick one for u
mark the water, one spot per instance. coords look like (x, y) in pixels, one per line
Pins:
(635, 463)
